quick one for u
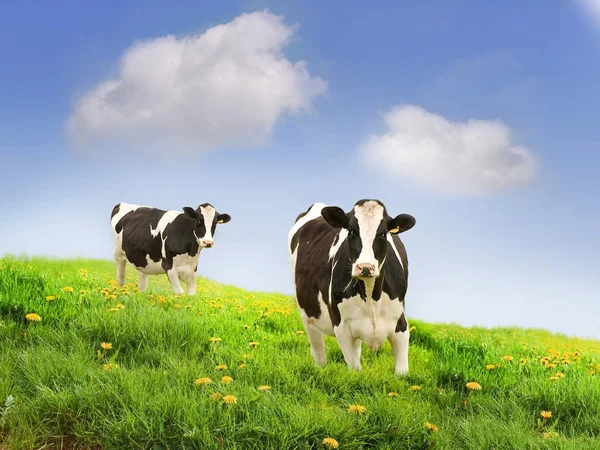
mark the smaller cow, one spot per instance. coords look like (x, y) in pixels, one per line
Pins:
(156, 241)
(350, 274)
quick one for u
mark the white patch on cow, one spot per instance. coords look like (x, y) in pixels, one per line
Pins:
(315, 329)
(391, 241)
(166, 219)
(369, 216)
(208, 213)
(343, 234)
(371, 321)
(313, 213)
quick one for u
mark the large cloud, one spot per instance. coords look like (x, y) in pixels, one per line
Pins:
(474, 157)
(228, 85)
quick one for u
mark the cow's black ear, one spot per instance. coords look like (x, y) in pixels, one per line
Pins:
(190, 212)
(223, 218)
(336, 217)
(401, 223)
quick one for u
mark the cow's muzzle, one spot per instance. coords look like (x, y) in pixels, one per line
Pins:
(365, 270)
(208, 243)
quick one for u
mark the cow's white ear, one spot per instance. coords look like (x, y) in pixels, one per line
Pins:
(223, 218)
(401, 223)
(335, 216)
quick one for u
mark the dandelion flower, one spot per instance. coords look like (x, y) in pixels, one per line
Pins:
(299, 332)
(523, 361)
(120, 305)
(106, 345)
(242, 365)
(431, 426)
(221, 367)
(226, 379)
(330, 442)
(264, 388)
(546, 414)
(413, 328)
(202, 381)
(357, 409)
(215, 339)
(50, 298)
(553, 378)
(549, 434)
(490, 366)
(246, 356)
(392, 394)
(113, 309)
(252, 344)
(216, 396)
(416, 387)
(474, 385)
(33, 317)
(559, 374)
(507, 358)
(230, 399)
(109, 366)
(67, 289)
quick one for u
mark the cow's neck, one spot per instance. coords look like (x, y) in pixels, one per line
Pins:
(371, 289)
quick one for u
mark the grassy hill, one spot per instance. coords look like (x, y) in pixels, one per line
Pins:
(232, 369)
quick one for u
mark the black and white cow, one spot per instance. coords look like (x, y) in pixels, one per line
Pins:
(156, 241)
(350, 273)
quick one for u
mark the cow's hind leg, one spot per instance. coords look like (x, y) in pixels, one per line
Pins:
(399, 340)
(121, 266)
(351, 347)
(142, 281)
(190, 284)
(317, 342)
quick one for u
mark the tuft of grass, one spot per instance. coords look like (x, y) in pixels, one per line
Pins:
(61, 388)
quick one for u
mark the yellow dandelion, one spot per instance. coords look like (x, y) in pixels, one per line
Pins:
(202, 381)
(242, 365)
(416, 387)
(549, 434)
(299, 332)
(67, 289)
(546, 414)
(553, 378)
(264, 388)
(106, 345)
(110, 366)
(246, 356)
(473, 385)
(33, 317)
(50, 298)
(215, 339)
(221, 367)
(392, 394)
(357, 409)
(413, 328)
(216, 396)
(559, 374)
(551, 365)
(507, 358)
(226, 379)
(120, 305)
(330, 442)
(252, 344)
(230, 399)
(523, 361)
(490, 366)
(431, 427)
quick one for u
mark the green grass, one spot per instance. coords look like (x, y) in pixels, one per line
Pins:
(67, 391)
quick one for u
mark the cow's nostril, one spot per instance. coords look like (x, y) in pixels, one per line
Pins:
(365, 272)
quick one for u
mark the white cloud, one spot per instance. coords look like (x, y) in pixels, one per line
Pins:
(228, 85)
(474, 157)
(592, 10)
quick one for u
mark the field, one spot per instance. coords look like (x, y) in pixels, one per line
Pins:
(85, 364)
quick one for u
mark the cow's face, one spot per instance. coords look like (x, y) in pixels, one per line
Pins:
(368, 225)
(206, 218)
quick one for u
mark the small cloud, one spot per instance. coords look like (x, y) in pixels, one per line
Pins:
(228, 85)
(460, 158)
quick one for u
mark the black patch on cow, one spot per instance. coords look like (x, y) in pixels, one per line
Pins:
(115, 210)
(138, 242)
(313, 266)
(294, 242)
(401, 326)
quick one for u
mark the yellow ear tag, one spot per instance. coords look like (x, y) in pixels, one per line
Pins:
(220, 221)
(395, 230)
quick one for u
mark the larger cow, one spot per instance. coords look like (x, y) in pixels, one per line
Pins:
(156, 241)
(350, 274)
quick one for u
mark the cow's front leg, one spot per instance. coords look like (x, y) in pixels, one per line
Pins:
(190, 283)
(142, 281)
(350, 346)
(121, 267)
(167, 265)
(317, 342)
(399, 340)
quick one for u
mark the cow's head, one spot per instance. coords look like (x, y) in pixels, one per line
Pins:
(368, 225)
(206, 218)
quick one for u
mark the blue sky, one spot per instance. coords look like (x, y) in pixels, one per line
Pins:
(518, 249)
